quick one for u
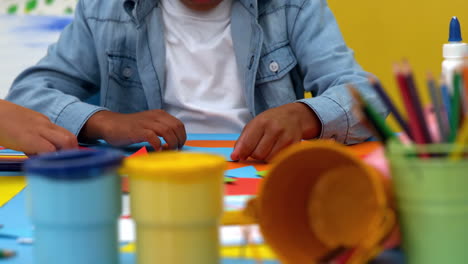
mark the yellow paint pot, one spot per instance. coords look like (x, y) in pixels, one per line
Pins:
(177, 203)
(319, 199)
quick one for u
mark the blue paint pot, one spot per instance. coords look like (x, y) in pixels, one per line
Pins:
(74, 201)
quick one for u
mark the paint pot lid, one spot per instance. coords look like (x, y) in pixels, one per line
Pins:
(174, 166)
(73, 164)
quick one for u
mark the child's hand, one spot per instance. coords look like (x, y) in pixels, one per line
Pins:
(31, 132)
(275, 129)
(124, 129)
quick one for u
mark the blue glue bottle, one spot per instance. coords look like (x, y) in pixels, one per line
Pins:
(454, 53)
(74, 202)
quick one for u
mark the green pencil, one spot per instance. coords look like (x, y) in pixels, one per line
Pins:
(376, 121)
(5, 253)
(455, 111)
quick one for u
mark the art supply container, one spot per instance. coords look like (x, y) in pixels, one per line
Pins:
(319, 201)
(176, 200)
(74, 200)
(432, 195)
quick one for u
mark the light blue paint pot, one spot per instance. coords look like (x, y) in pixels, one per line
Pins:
(74, 201)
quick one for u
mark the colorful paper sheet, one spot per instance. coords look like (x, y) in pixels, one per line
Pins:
(243, 186)
(9, 187)
(225, 152)
(244, 172)
(211, 143)
(363, 149)
(141, 152)
(212, 137)
(229, 179)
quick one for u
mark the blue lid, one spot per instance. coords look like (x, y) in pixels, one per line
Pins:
(73, 164)
(455, 31)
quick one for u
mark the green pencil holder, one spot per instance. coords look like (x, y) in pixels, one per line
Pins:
(432, 200)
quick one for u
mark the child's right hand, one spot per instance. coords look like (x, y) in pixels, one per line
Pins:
(124, 129)
(31, 132)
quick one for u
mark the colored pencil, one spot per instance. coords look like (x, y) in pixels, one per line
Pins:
(376, 121)
(465, 87)
(416, 102)
(460, 142)
(416, 131)
(455, 104)
(438, 106)
(388, 102)
(447, 105)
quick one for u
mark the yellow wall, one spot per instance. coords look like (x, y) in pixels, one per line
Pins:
(382, 32)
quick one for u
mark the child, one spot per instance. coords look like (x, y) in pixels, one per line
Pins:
(24, 130)
(167, 67)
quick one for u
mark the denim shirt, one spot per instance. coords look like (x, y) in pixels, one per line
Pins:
(282, 47)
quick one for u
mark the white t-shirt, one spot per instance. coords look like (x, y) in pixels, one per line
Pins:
(203, 88)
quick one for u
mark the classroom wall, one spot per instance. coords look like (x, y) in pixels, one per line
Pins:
(37, 7)
(382, 32)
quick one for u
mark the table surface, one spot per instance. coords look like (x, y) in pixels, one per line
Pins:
(13, 215)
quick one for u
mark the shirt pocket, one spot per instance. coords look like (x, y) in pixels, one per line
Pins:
(123, 69)
(125, 92)
(274, 86)
(275, 64)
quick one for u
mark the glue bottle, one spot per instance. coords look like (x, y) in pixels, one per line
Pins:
(453, 52)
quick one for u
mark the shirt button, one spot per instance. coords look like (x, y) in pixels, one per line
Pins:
(127, 72)
(274, 67)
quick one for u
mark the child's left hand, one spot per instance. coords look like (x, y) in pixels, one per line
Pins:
(274, 130)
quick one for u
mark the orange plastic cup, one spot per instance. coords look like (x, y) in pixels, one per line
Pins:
(318, 200)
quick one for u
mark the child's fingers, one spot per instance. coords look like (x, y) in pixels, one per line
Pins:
(40, 145)
(153, 139)
(264, 147)
(247, 143)
(68, 139)
(167, 133)
(60, 138)
(177, 127)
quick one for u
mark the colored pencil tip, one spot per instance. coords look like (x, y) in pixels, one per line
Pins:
(372, 79)
(355, 94)
(357, 108)
(406, 68)
(396, 67)
(430, 76)
(442, 80)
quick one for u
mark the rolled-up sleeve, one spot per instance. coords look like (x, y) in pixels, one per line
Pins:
(328, 66)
